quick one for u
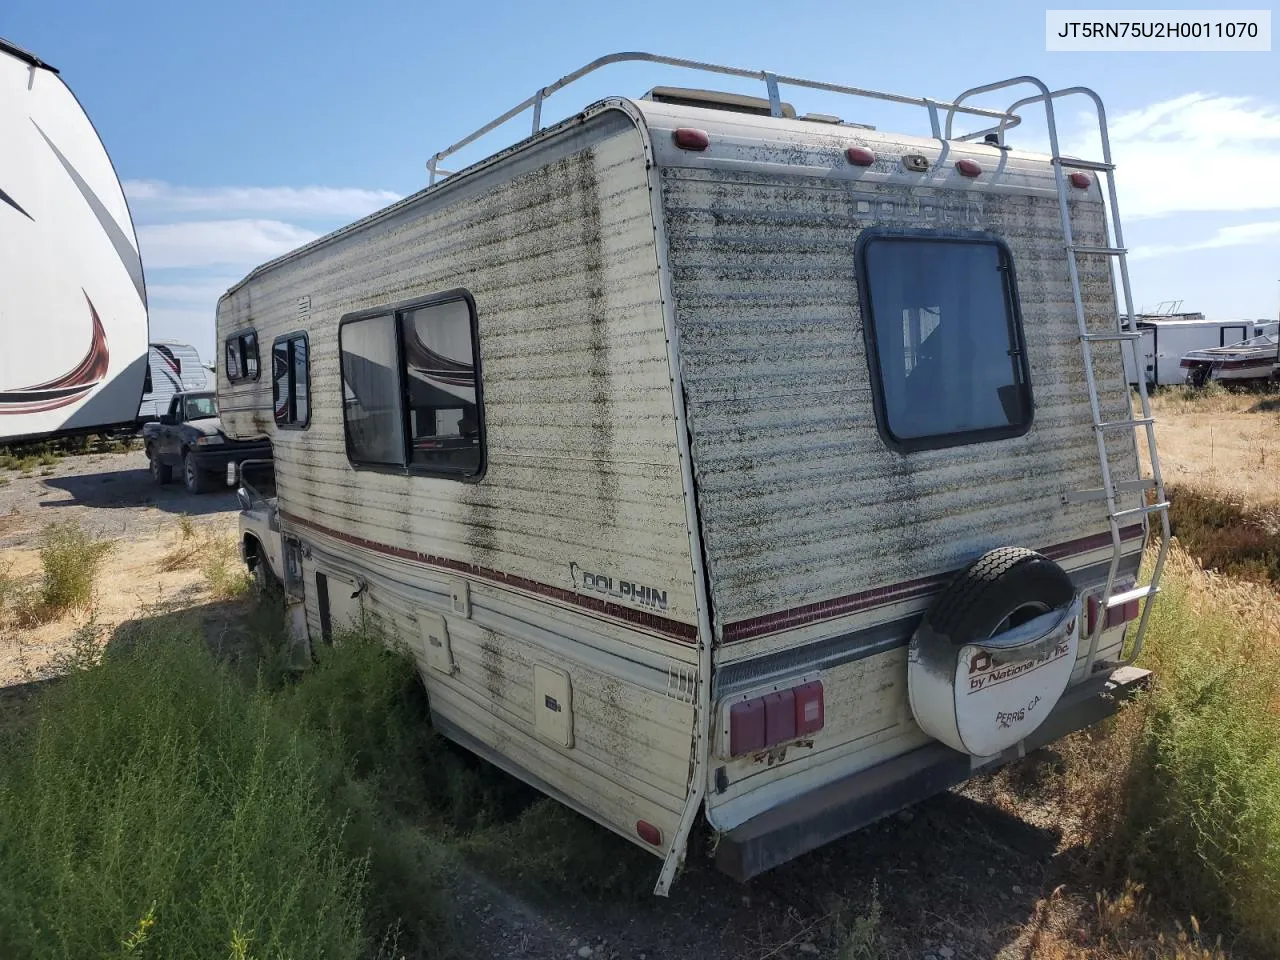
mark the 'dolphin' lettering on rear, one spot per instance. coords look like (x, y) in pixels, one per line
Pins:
(627, 591)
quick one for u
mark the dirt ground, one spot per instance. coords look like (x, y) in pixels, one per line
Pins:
(1226, 441)
(113, 497)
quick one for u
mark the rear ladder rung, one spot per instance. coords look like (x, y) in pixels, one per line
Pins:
(1090, 248)
(1141, 511)
(1096, 337)
(1137, 593)
(1117, 424)
(1098, 493)
(1085, 164)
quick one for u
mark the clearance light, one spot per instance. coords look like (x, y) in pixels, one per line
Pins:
(968, 168)
(860, 156)
(775, 718)
(1080, 180)
(647, 832)
(691, 138)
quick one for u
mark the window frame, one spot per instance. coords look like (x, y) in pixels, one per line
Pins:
(397, 311)
(289, 338)
(257, 355)
(1013, 312)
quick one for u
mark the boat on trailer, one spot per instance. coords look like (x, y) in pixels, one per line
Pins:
(1250, 361)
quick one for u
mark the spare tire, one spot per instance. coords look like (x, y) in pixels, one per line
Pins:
(1003, 589)
(976, 681)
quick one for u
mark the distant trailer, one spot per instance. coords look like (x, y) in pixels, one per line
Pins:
(1164, 342)
(73, 305)
(171, 368)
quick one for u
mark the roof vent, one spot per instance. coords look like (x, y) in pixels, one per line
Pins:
(715, 100)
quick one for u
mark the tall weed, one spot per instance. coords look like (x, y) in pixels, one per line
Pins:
(70, 556)
(1201, 815)
(166, 810)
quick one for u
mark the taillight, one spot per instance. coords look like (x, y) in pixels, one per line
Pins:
(775, 718)
(968, 168)
(1115, 616)
(1081, 181)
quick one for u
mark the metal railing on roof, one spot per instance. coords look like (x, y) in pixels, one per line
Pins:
(772, 82)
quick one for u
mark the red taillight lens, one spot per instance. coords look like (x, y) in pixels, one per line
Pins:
(810, 708)
(691, 138)
(860, 156)
(775, 718)
(1081, 181)
(746, 727)
(968, 168)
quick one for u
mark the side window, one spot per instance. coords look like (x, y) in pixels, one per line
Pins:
(242, 356)
(944, 340)
(290, 383)
(439, 349)
(411, 387)
(371, 398)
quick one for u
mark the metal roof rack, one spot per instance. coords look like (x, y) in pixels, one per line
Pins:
(772, 81)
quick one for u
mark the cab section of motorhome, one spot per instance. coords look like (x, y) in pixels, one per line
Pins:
(688, 447)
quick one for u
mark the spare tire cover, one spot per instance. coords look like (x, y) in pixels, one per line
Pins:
(994, 654)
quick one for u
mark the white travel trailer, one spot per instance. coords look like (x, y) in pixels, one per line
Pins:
(172, 367)
(73, 307)
(714, 461)
(1165, 342)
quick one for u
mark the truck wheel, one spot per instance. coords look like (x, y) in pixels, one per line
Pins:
(195, 479)
(161, 473)
(1004, 589)
(264, 581)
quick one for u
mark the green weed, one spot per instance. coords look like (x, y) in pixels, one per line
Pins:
(1200, 815)
(71, 557)
(167, 811)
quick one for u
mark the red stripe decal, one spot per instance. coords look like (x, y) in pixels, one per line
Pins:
(893, 593)
(673, 629)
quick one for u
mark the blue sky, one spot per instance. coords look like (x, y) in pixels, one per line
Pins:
(244, 129)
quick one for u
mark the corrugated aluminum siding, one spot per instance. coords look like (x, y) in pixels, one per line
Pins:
(800, 498)
(583, 467)
(556, 244)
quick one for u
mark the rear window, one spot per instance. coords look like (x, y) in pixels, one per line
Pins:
(944, 340)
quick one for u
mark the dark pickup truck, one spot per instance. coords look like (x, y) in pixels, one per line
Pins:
(189, 437)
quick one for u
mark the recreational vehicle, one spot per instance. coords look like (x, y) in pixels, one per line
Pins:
(73, 308)
(1165, 340)
(716, 460)
(172, 367)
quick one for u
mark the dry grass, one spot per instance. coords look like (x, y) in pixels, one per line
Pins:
(1219, 439)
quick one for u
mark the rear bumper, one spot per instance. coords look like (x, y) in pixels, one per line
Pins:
(848, 804)
(215, 459)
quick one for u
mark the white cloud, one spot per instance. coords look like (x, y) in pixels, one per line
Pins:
(1194, 153)
(151, 199)
(201, 291)
(195, 327)
(1244, 234)
(207, 243)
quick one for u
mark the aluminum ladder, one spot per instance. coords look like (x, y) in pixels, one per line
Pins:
(1125, 332)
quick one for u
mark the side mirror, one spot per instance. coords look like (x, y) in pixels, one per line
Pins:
(167, 419)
